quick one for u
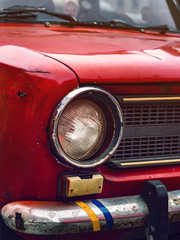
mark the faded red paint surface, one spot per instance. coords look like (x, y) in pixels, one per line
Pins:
(40, 66)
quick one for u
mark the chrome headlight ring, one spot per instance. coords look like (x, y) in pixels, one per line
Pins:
(114, 130)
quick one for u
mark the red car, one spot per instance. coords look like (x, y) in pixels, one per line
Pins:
(90, 119)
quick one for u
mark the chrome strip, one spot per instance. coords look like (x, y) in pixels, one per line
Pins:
(142, 99)
(54, 218)
(150, 162)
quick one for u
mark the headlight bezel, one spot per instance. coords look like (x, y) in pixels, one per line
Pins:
(113, 114)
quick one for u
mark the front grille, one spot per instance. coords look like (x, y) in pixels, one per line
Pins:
(151, 133)
(144, 147)
(151, 114)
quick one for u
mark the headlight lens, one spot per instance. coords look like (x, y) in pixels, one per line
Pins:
(81, 129)
(86, 127)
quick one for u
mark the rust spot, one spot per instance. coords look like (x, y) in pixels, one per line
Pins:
(21, 94)
(174, 217)
(135, 209)
(165, 89)
(7, 195)
(176, 200)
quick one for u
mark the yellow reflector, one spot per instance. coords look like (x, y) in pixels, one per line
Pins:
(75, 186)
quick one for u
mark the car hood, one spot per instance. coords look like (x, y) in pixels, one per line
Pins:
(100, 55)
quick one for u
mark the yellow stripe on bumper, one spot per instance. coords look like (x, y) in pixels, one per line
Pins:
(91, 214)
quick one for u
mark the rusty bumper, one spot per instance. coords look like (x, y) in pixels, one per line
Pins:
(54, 218)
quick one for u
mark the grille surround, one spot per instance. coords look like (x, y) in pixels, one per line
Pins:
(151, 132)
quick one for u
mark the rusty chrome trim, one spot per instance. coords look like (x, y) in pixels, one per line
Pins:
(110, 102)
(150, 162)
(58, 218)
(143, 99)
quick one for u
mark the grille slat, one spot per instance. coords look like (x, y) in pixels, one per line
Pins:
(151, 132)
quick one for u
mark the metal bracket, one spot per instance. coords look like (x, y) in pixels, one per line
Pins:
(155, 195)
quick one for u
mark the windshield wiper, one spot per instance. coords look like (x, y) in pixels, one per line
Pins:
(119, 24)
(160, 28)
(23, 11)
(13, 13)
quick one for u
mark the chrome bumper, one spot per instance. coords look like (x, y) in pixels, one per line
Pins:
(53, 218)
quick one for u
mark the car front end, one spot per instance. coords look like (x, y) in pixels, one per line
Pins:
(90, 122)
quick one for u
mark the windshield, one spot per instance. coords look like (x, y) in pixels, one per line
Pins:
(134, 12)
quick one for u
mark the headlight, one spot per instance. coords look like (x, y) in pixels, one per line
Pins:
(81, 129)
(86, 127)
